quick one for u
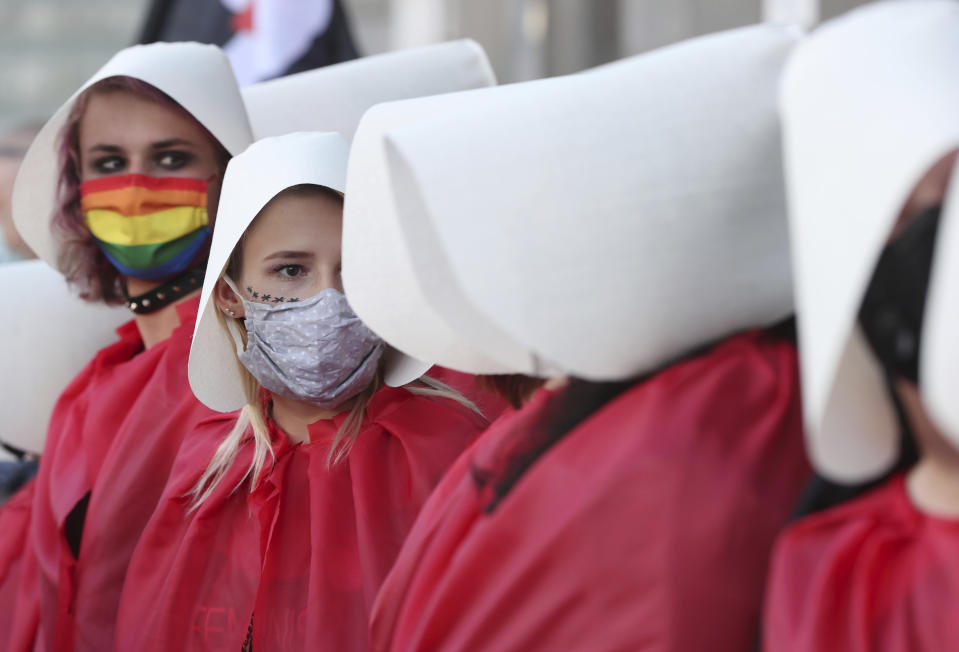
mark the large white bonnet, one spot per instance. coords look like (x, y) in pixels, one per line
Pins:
(198, 77)
(598, 224)
(47, 335)
(335, 97)
(869, 103)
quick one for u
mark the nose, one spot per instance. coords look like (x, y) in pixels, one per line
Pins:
(137, 165)
(330, 278)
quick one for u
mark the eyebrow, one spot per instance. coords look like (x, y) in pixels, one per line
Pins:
(172, 142)
(105, 148)
(289, 255)
(163, 144)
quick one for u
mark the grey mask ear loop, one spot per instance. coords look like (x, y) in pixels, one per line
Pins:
(231, 324)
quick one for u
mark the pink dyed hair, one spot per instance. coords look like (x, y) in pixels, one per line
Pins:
(80, 259)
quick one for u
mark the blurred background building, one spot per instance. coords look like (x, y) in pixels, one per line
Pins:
(48, 47)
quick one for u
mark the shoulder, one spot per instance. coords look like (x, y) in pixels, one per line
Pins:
(838, 562)
(401, 407)
(423, 432)
(885, 509)
(198, 449)
(753, 354)
(86, 386)
(128, 344)
(745, 381)
(857, 534)
(488, 401)
(123, 350)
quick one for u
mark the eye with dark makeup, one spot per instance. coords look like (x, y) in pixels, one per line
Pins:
(172, 160)
(109, 165)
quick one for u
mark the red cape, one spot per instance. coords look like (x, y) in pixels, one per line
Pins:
(647, 527)
(306, 551)
(14, 526)
(114, 433)
(873, 575)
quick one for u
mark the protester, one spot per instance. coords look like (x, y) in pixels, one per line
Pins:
(118, 193)
(625, 228)
(876, 285)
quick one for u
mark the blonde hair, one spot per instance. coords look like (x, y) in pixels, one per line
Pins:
(251, 423)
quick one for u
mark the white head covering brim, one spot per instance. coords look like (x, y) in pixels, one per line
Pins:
(378, 271)
(596, 225)
(939, 357)
(198, 77)
(253, 178)
(868, 104)
(334, 98)
(47, 338)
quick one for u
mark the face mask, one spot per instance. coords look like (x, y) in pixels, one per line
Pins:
(316, 350)
(892, 310)
(148, 227)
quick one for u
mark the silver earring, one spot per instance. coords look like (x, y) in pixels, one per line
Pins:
(232, 313)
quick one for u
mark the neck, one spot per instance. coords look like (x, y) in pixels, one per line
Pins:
(934, 487)
(556, 382)
(157, 326)
(294, 417)
(933, 483)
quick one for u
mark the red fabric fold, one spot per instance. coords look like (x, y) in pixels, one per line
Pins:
(304, 553)
(14, 528)
(115, 432)
(647, 527)
(875, 575)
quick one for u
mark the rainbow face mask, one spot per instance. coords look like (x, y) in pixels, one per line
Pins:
(147, 227)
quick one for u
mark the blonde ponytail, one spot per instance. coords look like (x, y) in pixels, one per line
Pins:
(250, 423)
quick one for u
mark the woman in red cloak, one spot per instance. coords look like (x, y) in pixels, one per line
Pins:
(135, 158)
(876, 261)
(636, 218)
(282, 520)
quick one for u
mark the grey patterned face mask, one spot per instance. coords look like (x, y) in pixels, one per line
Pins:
(316, 350)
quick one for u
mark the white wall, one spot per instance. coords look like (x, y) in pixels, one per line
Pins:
(578, 33)
(49, 47)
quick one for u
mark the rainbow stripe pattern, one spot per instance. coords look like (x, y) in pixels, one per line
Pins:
(148, 227)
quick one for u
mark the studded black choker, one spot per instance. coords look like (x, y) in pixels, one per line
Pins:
(163, 295)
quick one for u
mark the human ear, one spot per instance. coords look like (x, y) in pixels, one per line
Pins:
(227, 300)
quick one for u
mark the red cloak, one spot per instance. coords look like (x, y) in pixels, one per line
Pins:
(647, 527)
(114, 434)
(303, 553)
(14, 527)
(875, 574)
